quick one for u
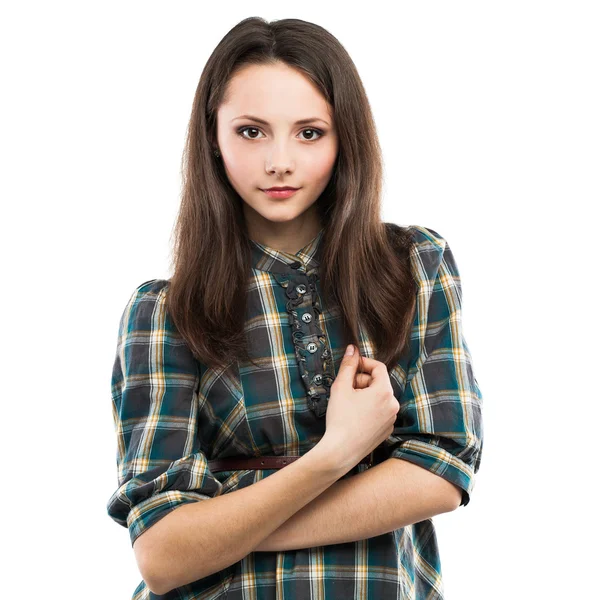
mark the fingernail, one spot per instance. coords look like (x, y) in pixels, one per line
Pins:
(349, 350)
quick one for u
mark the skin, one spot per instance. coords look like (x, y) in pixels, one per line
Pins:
(279, 153)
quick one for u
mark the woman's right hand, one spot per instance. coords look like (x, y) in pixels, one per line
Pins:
(359, 419)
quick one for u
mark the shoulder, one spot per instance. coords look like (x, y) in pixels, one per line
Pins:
(419, 236)
(426, 247)
(432, 262)
(426, 238)
(152, 287)
(146, 307)
(148, 339)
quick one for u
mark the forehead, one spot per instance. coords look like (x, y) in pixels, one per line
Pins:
(273, 92)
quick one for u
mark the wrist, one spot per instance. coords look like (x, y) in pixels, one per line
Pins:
(334, 456)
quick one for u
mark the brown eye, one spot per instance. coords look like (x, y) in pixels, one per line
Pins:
(317, 131)
(241, 132)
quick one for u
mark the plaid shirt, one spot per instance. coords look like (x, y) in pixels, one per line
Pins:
(172, 415)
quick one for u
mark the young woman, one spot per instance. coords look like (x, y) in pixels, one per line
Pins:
(231, 382)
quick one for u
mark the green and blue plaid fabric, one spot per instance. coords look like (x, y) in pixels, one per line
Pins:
(172, 415)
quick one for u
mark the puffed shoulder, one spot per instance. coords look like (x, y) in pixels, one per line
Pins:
(145, 309)
(424, 236)
(152, 286)
(419, 234)
(428, 249)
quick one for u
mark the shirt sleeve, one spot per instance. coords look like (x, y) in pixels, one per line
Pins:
(439, 425)
(155, 377)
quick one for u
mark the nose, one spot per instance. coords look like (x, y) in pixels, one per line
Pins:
(279, 159)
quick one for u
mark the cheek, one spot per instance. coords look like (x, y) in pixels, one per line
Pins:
(240, 165)
(320, 171)
(323, 171)
(320, 167)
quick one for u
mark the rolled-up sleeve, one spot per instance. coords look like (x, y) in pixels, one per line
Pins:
(439, 425)
(160, 464)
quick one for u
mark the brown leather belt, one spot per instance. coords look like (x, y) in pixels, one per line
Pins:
(264, 462)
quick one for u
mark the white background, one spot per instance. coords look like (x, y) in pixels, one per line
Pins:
(489, 121)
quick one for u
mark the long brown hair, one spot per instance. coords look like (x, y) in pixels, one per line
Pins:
(365, 267)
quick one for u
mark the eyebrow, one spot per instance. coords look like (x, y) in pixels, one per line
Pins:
(300, 122)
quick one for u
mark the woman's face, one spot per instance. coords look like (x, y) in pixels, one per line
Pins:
(279, 152)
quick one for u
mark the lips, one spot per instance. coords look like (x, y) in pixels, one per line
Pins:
(279, 189)
(281, 193)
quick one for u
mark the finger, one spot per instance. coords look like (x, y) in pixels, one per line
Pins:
(362, 381)
(375, 368)
(348, 367)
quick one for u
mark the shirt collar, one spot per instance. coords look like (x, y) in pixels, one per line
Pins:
(275, 261)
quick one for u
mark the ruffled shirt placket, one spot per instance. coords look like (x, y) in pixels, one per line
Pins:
(299, 279)
(310, 342)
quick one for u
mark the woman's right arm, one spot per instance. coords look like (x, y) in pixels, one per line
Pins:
(162, 467)
(201, 538)
(181, 524)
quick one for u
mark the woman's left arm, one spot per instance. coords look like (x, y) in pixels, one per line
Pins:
(390, 495)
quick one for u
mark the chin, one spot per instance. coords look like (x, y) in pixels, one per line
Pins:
(277, 210)
(280, 218)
